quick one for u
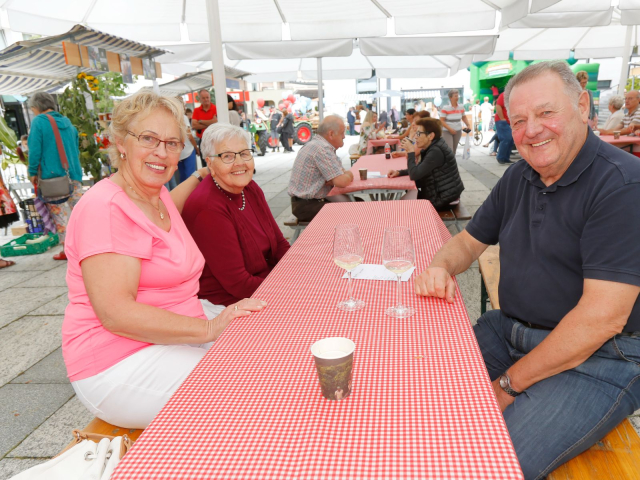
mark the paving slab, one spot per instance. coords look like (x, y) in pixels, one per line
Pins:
(25, 342)
(51, 369)
(10, 278)
(469, 283)
(43, 261)
(635, 421)
(54, 434)
(12, 466)
(56, 277)
(17, 301)
(56, 306)
(23, 408)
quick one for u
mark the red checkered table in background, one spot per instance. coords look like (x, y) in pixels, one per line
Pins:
(387, 186)
(422, 405)
(371, 144)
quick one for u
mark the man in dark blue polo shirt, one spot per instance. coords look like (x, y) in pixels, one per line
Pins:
(563, 354)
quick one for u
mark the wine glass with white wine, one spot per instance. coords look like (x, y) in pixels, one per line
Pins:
(398, 256)
(347, 253)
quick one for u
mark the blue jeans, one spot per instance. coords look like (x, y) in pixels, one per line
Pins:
(560, 417)
(187, 166)
(503, 129)
(352, 128)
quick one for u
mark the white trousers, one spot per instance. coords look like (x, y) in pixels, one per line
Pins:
(132, 392)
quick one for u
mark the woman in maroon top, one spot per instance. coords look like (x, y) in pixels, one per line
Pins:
(230, 221)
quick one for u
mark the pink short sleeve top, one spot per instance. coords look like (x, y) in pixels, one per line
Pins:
(105, 220)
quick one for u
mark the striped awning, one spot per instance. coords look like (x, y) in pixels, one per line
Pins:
(192, 82)
(32, 65)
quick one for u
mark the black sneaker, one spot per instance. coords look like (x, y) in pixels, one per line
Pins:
(508, 162)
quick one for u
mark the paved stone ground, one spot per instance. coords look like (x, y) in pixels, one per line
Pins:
(38, 408)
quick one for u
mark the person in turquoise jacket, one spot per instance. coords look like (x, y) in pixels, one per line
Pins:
(43, 153)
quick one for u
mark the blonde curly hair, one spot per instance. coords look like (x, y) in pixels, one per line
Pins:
(141, 103)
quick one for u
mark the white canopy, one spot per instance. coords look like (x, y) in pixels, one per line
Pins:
(260, 21)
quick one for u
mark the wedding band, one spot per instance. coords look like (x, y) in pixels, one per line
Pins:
(235, 307)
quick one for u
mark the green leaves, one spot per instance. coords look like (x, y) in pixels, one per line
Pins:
(73, 105)
(9, 143)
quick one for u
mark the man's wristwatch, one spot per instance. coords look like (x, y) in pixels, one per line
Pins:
(197, 175)
(505, 384)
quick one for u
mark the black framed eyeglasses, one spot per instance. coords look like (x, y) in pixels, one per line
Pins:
(230, 157)
(419, 133)
(149, 141)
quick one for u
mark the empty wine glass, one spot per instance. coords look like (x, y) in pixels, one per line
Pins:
(347, 253)
(398, 256)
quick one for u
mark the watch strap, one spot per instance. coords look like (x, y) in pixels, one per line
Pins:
(197, 175)
(506, 385)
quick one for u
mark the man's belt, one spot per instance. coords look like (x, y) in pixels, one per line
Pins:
(541, 327)
(532, 325)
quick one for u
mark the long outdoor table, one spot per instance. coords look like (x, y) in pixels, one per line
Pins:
(625, 141)
(391, 187)
(371, 144)
(422, 406)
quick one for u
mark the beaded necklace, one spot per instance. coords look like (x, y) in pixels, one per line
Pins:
(225, 194)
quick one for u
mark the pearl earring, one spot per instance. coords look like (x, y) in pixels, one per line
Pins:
(122, 155)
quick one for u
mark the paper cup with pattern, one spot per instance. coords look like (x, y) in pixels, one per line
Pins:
(334, 362)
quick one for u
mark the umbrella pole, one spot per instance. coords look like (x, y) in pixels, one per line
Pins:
(626, 58)
(320, 91)
(217, 62)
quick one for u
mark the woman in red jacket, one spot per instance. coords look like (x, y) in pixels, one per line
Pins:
(230, 221)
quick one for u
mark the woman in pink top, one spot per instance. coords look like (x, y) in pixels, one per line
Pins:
(134, 328)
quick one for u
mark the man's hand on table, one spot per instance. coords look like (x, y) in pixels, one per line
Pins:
(398, 154)
(393, 173)
(436, 282)
(504, 399)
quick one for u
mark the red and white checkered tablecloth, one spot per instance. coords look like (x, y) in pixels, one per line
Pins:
(371, 144)
(422, 405)
(377, 163)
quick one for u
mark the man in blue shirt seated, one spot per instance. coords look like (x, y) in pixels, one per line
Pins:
(563, 353)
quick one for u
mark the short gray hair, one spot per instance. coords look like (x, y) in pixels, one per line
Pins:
(42, 101)
(617, 101)
(331, 123)
(559, 67)
(452, 91)
(220, 132)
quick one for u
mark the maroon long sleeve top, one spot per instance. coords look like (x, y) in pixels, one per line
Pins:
(240, 247)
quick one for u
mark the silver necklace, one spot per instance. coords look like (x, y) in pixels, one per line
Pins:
(225, 194)
(147, 201)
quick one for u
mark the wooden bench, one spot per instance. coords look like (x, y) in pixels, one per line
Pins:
(456, 212)
(297, 226)
(103, 428)
(616, 456)
(100, 427)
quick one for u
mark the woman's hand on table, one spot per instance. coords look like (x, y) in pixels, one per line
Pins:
(436, 282)
(243, 308)
(393, 173)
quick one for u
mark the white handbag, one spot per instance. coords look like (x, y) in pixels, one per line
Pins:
(466, 154)
(84, 460)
